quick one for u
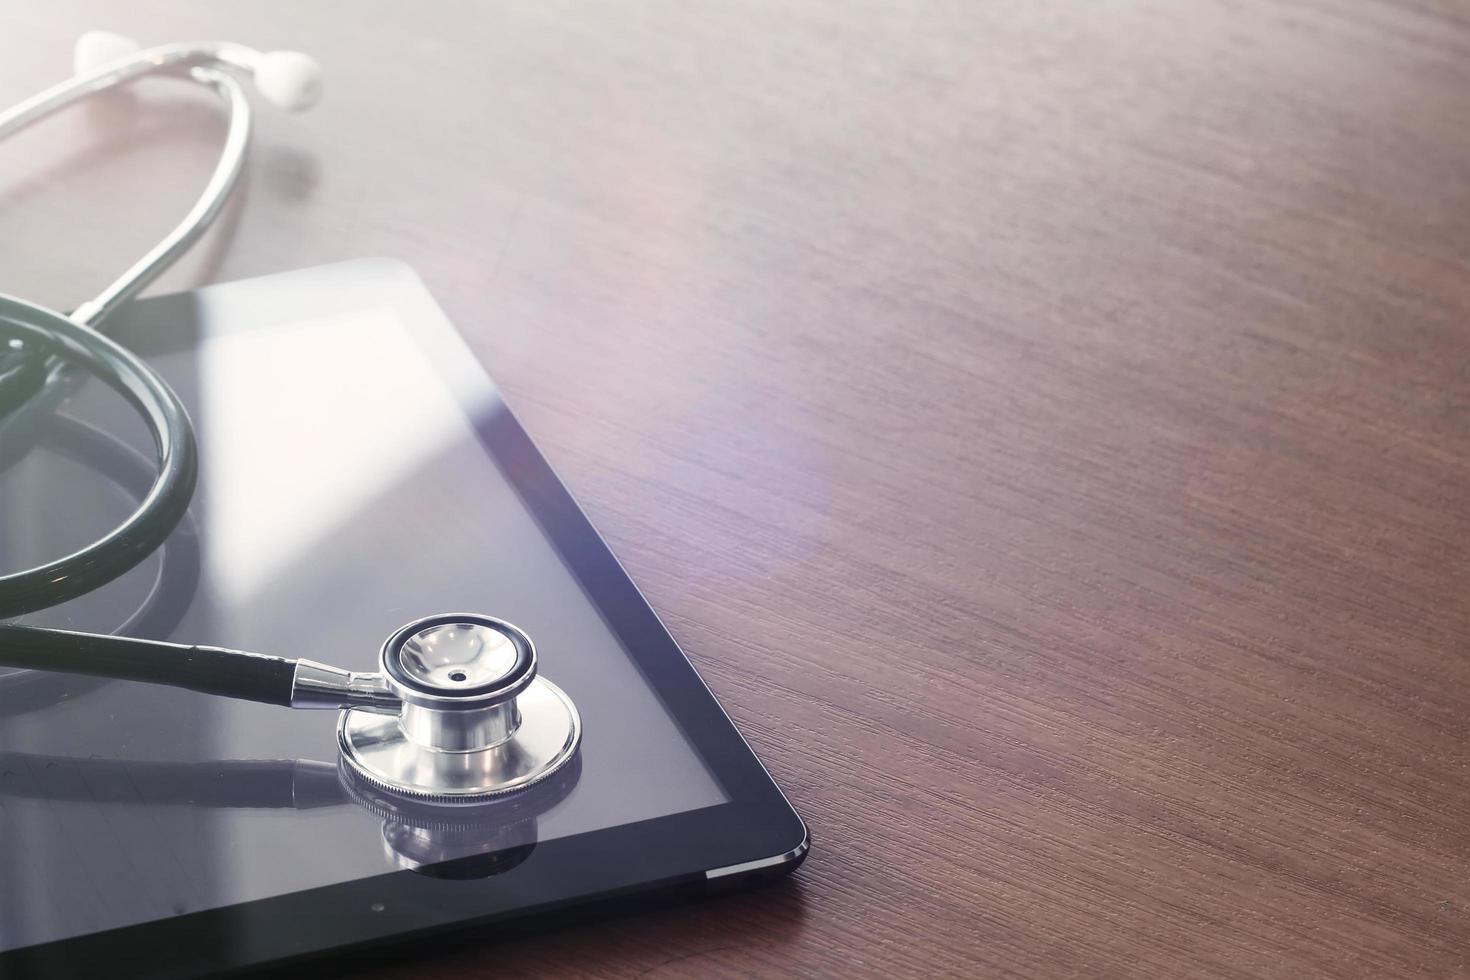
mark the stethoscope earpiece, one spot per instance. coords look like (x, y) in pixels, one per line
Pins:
(289, 80)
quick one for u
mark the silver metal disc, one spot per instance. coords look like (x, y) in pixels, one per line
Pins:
(376, 748)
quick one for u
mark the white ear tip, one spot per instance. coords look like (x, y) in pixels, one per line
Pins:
(96, 48)
(289, 79)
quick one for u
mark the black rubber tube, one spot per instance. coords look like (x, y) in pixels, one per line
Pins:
(178, 570)
(208, 670)
(173, 436)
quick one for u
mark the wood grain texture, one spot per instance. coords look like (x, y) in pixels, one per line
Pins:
(1044, 424)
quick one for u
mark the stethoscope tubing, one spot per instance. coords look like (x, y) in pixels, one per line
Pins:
(166, 501)
(175, 580)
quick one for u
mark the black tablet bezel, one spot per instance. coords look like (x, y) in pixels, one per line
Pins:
(756, 832)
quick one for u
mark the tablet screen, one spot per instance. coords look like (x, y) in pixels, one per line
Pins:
(343, 492)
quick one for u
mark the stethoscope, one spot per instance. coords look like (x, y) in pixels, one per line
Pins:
(456, 713)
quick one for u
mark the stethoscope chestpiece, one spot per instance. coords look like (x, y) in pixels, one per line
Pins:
(475, 720)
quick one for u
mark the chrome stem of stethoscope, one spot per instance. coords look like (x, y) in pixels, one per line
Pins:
(457, 712)
(289, 79)
(199, 217)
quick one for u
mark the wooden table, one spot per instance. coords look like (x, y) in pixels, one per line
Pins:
(1044, 424)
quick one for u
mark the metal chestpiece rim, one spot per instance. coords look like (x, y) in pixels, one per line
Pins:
(475, 721)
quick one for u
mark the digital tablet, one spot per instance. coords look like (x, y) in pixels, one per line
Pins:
(358, 470)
